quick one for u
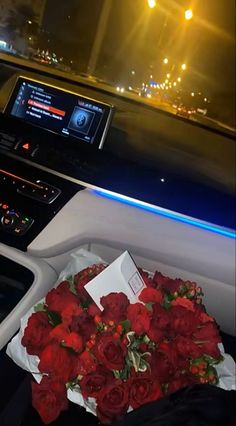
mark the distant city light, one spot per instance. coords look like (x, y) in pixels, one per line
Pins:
(168, 75)
(151, 76)
(162, 180)
(188, 14)
(165, 60)
(149, 95)
(29, 22)
(179, 79)
(192, 94)
(152, 3)
(166, 81)
(205, 99)
(133, 72)
(183, 67)
(174, 84)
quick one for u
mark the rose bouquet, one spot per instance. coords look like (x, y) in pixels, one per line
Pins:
(125, 355)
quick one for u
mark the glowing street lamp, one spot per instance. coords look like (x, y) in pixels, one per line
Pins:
(152, 3)
(168, 75)
(179, 79)
(188, 14)
(165, 61)
(183, 67)
(192, 94)
(174, 84)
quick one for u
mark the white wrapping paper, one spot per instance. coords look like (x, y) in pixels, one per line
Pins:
(81, 260)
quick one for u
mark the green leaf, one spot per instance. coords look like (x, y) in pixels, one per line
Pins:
(167, 302)
(54, 318)
(126, 325)
(71, 281)
(149, 306)
(213, 361)
(40, 307)
(116, 374)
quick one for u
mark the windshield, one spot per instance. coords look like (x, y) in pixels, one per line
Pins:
(176, 55)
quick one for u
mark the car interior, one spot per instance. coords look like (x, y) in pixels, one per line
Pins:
(82, 166)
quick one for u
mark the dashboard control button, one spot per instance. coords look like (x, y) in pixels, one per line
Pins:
(42, 191)
(7, 220)
(13, 221)
(25, 147)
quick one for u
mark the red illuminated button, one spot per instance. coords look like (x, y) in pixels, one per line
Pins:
(26, 146)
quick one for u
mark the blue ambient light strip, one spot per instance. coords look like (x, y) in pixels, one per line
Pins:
(164, 212)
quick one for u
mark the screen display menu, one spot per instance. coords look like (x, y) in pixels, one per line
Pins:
(60, 111)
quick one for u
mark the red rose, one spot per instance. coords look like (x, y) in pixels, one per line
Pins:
(168, 348)
(83, 277)
(57, 361)
(146, 278)
(59, 297)
(36, 335)
(160, 323)
(183, 321)
(184, 302)
(59, 332)
(71, 311)
(85, 364)
(207, 338)
(115, 307)
(92, 383)
(62, 335)
(49, 399)
(83, 325)
(139, 317)
(110, 352)
(186, 348)
(151, 295)
(94, 310)
(144, 388)
(74, 342)
(204, 317)
(112, 401)
(161, 368)
(161, 281)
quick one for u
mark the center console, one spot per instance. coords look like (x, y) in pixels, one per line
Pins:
(47, 135)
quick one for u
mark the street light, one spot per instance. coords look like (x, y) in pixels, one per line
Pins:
(192, 94)
(168, 75)
(165, 61)
(188, 14)
(183, 67)
(152, 3)
(179, 79)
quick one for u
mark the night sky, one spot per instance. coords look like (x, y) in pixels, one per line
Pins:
(135, 39)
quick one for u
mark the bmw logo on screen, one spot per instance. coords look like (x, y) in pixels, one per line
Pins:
(81, 120)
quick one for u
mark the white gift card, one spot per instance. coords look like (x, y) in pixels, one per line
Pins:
(121, 275)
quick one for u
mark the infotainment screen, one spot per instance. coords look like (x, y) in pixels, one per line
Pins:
(60, 111)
